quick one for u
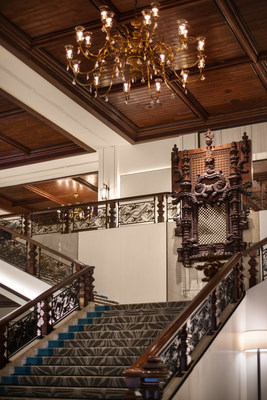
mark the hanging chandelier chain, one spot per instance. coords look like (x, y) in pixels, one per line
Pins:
(138, 54)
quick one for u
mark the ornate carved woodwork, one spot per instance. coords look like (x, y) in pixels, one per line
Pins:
(210, 184)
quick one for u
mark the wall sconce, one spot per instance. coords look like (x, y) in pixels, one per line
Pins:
(255, 341)
(104, 192)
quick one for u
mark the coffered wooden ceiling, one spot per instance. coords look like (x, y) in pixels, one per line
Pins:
(50, 194)
(234, 92)
(26, 137)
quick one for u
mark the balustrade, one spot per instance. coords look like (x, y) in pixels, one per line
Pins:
(152, 208)
(203, 316)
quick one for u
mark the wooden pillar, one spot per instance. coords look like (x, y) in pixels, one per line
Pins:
(160, 207)
(32, 257)
(154, 374)
(183, 353)
(112, 212)
(46, 327)
(3, 338)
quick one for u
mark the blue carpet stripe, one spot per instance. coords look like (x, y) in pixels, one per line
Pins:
(34, 360)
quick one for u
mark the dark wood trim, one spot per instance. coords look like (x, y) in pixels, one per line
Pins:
(242, 34)
(58, 129)
(44, 194)
(176, 128)
(88, 185)
(15, 144)
(11, 112)
(38, 155)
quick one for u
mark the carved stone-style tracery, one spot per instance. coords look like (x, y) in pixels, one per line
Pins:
(209, 183)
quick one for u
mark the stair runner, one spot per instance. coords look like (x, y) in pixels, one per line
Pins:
(88, 361)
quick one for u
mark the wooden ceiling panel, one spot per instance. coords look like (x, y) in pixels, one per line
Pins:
(254, 14)
(142, 113)
(50, 194)
(228, 95)
(38, 17)
(27, 130)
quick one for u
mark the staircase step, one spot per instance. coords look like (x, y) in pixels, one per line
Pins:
(98, 351)
(149, 306)
(92, 393)
(133, 318)
(81, 360)
(126, 326)
(106, 343)
(77, 370)
(71, 381)
(143, 311)
(120, 334)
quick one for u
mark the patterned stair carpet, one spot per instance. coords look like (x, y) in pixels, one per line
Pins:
(87, 361)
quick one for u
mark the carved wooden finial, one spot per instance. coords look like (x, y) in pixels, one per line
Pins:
(209, 136)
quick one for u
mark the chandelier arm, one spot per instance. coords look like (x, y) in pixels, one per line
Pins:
(148, 83)
(87, 51)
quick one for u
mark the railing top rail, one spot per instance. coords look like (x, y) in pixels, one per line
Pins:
(255, 246)
(44, 295)
(34, 242)
(102, 202)
(168, 333)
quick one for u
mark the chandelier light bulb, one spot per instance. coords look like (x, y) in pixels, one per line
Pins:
(96, 79)
(76, 66)
(147, 16)
(162, 58)
(88, 38)
(155, 10)
(69, 51)
(182, 28)
(158, 84)
(109, 20)
(79, 33)
(201, 43)
(103, 12)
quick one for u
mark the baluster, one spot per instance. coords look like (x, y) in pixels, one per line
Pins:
(183, 349)
(66, 220)
(32, 254)
(153, 376)
(26, 230)
(213, 312)
(112, 212)
(237, 282)
(3, 340)
(253, 272)
(90, 285)
(161, 207)
(46, 327)
(84, 290)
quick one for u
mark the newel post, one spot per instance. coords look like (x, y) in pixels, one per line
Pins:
(153, 376)
(46, 308)
(112, 212)
(32, 269)
(133, 383)
(160, 207)
(237, 282)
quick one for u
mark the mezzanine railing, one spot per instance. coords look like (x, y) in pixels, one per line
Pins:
(172, 353)
(152, 208)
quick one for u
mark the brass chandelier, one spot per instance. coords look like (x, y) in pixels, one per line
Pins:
(131, 55)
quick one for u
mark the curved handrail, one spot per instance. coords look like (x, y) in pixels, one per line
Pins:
(160, 343)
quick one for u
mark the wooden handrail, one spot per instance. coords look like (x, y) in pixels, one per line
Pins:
(102, 202)
(44, 295)
(255, 246)
(168, 333)
(38, 244)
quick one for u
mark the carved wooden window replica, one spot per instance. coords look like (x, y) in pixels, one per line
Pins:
(210, 184)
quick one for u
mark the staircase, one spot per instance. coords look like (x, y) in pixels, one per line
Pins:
(88, 361)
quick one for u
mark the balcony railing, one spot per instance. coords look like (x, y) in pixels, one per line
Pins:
(152, 208)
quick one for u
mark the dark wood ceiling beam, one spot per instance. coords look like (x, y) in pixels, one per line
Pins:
(6, 204)
(11, 112)
(40, 154)
(88, 185)
(44, 194)
(220, 121)
(242, 34)
(26, 202)
(15, 144)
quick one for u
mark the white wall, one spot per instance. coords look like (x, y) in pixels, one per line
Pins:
(21, 282)
(224, 372)
(130, 262)
(263, 224)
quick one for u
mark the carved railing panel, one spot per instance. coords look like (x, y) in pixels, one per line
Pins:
(264, 262)
(154, 208)
(52, 270)
(16, 224)
(38, 316)
(14, 252)
(22, 332)
(136, 213)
